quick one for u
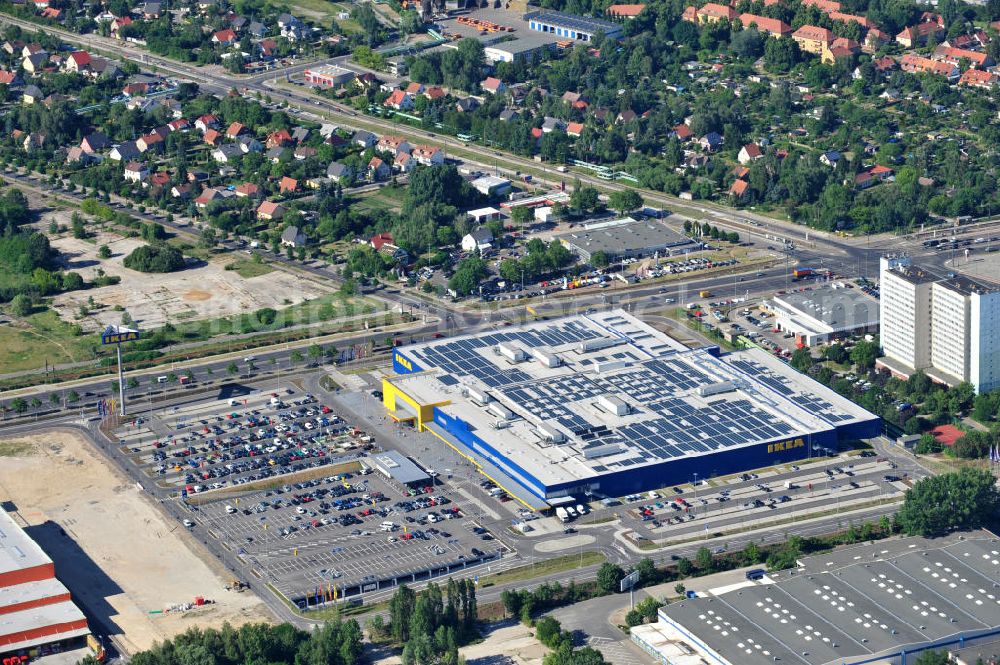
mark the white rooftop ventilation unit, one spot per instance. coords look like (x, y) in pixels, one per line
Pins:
(613, 405)
(598, 344)
(547, 358)
(716, 388)
(512, 353)
(479, 397)
(550, 433)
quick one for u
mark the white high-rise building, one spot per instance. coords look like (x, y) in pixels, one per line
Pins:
(946, 327)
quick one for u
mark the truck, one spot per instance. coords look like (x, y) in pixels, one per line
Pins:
(704, 294)
(562, 514)
(802, 273)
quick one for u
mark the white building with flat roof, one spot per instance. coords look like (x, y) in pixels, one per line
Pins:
(825, 313)
(944, 326)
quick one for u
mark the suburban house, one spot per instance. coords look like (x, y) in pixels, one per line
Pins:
(378, 170)
(364, 139)
(481, 239)
(271, 211)
(916, 64)
(288, 185)
(813, 39)
(94, 142)
(711, 141)
(954, 56)
(427, 155)
(625, 11)
(247, 190)
(125, 151)
(136, 172)
(978, 79)
(293, 237)
(31, 94)
(342, 173)
(403, 162)
(749, 153)
(392, 144)
(493, 85)
(713, 13)
(739, 189)
(918, 34)
(768, 26)
(400, 100)
(77, 61)
(224, 37)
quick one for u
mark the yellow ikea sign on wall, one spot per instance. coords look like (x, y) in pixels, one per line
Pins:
(785, 445)
(404, 362)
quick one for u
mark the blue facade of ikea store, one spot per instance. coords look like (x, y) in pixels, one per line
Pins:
(654, 475)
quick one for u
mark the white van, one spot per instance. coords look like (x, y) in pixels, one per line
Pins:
(580, 508)
(230, 510)
(161, 379)
(387, 526)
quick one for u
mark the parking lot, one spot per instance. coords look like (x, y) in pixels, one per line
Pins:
(231, 442)
(753, 501)
(284, 483)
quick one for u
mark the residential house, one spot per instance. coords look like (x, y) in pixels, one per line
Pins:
(683, 133)
(9, 78)
(917, 35)
(916, 64)
(270, 211)
(293, 237)
(77, 155)
(33, 141)
(377, 241)
(874, 39)
(157, 180)
(94, 142)
(403, 162)
(550, 124)
(739, 189)
(399, 100)
(378, 170)
(212, 137)
(813, 39)
(415, 89)
(574, 129)
(341, 173)
(480, 240)
(248, 144)
(713, 13)
(206, 122)
(768, 26)
(181, 191)
(300, 134)
(247, 190)
(434, 93)
(841, 47)
(825, 6)
(978, 79)
(257, 29)
(711, 141)
(393, 144)
(288, 185)
(751, 152)
(275, 154)
(493, 85)
(227, 153)
(235, 130)
(851, 18)
(225, 37)
(35, 62)
(955, 56)
(178, 125)
(77, 61)
(136, 172)
(830, 158)
(124, 152)
(624, 11)
(279, 138)
(117, 24)
(427, 155)
(626, 116)
(135, 89)
(509, 114)
(364, 139)
(304, 152)
(466, 104)
(872, 176)
(152, 141)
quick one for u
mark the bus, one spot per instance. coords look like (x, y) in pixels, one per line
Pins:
(468, 138)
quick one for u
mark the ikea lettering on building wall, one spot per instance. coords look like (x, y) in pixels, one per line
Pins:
(403, 365)
(785, 445)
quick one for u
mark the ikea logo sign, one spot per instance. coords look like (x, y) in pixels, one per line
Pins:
(785, 445)
(404, 362)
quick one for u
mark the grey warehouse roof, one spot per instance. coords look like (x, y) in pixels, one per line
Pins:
(836, 307)
(623, 236)
(399, 467)
(862, 602)
(574, 22)
(17, 550)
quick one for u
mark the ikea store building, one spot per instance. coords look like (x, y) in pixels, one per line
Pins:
(605, 405)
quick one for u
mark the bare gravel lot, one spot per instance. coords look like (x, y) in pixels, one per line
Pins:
(120, 557)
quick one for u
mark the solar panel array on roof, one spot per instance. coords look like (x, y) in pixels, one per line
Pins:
(814, 404)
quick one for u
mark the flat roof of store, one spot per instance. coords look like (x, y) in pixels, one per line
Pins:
(17, 550)
(836, 307)
(624, 235)
(561, 404)
(526, 42)
(860, 602)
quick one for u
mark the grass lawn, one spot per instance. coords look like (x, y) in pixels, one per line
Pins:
(46, 339)
(247, 268)
(547, 567)
(386, 199)
(16, 448)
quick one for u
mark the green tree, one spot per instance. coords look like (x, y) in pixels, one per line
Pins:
(703, 557)
(155, 259)
(104, 252)
(864, 354)
(599, 259)
(802, 360)
(932, 658)
(935, 505)
(19, 405)
(72, 397)
(584, 198)
(609, 576)
(625, 200)
(20, 305)
(232, 369)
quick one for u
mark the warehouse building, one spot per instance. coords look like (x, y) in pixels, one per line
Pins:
(37, 615)
(604, 404)
(524, 48)
(624, 238)
(571, 26)
(398, 467)
(824, 314)
(881, 602)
